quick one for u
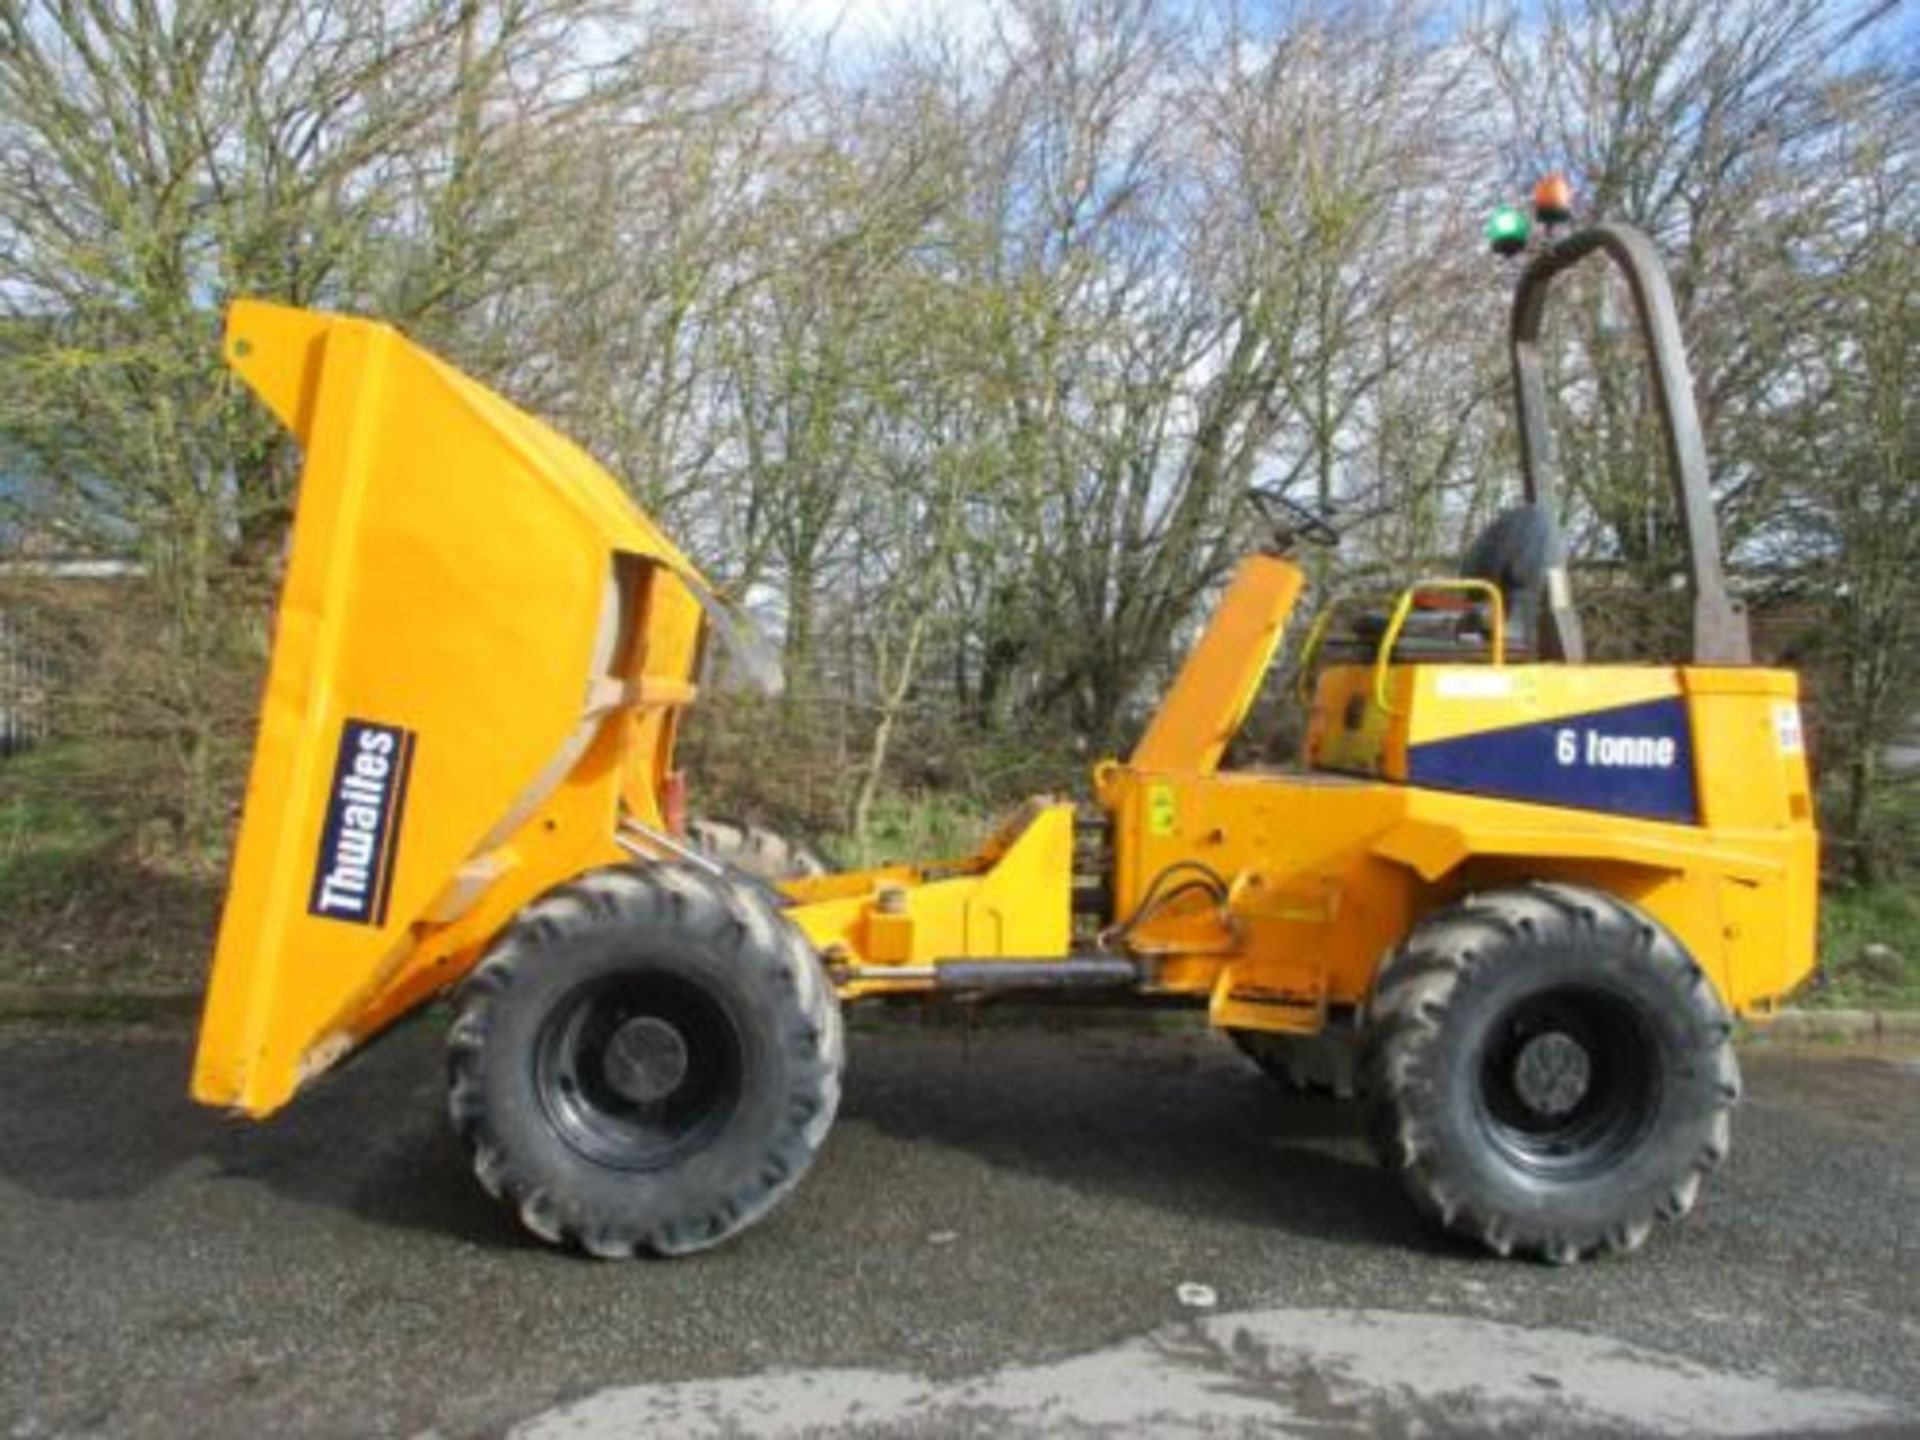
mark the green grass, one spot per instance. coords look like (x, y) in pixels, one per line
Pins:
(95, 888)
(913, 825)
(48, 807)
(1869, 949)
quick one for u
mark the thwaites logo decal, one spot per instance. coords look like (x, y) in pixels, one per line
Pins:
(1633, 760)
(353, 873)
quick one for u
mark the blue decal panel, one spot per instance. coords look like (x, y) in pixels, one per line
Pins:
(1633, 760)
(359, 842)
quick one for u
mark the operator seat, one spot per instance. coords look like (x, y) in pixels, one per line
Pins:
(1512, 552)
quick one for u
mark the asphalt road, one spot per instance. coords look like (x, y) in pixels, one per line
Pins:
(994, 1242)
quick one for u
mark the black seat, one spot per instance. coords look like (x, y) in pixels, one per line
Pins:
(1513, 553)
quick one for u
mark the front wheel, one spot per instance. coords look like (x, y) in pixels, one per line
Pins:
(1551, 1072)
(649, 1058)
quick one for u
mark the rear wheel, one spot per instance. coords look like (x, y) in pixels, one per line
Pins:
(755, 850)
(1551, 1072)
(1317, 1065)
(649, 1058)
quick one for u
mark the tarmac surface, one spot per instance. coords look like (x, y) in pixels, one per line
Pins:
(1013, 1230)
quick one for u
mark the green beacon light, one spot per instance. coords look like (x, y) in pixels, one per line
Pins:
(1507, 230)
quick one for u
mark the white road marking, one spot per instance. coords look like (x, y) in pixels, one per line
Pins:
(1272, 1371)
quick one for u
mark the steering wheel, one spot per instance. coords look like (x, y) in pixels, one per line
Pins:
(1291, 520)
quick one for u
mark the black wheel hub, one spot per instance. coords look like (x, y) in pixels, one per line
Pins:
(646, 1060)
(1552, 1073)
(1568, 1082)
(637, 1072)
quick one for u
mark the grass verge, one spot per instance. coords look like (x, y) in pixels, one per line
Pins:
(1869, 949)
(92, 898)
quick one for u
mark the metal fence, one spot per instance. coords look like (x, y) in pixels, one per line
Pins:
(26, 674)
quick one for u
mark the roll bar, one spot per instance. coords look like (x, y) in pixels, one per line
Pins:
(1719, 621)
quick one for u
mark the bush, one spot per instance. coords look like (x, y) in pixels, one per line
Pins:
(1868, 955)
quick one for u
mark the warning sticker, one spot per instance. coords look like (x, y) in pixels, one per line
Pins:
(1786, 728)
(1478, 684)
(1162, 813)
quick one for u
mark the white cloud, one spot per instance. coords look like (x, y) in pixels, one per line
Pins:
(863, 24)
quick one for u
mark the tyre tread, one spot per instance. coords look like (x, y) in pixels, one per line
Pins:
(744, 926)
(1411, 996)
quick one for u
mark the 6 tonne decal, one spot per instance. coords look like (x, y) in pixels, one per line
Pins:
(353, 873)
(1633, 760)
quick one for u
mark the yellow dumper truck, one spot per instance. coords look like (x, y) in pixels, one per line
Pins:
(1513, 898)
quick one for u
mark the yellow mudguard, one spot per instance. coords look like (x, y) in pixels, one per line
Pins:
(480, 643)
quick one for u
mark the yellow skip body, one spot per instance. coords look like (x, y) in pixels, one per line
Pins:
(465, 581)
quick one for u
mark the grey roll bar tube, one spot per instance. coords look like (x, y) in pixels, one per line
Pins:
(1719, 622)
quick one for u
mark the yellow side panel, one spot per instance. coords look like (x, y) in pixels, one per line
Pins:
(1312, 908)
(1734, 871)
(1326, 874)
(449, 603)
(1754, 757)
(1742, 900)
